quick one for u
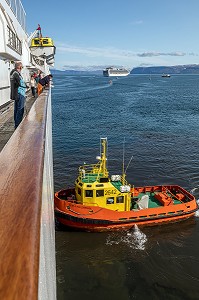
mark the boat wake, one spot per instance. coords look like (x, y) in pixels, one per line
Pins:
(194, 190)
(135, 239)
(140, 238)
(197, 212)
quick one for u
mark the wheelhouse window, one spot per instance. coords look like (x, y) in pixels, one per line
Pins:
(79, 191)
(110, 200)
(89, 193)
(45, 41)
(104, 179)
(37, 42)
(120, 199)
(99, 193)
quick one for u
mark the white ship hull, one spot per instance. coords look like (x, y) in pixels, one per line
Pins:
(14, 46)
(117, 74)
(30, 271)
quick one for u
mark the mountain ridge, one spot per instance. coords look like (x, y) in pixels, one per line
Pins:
(178, 69)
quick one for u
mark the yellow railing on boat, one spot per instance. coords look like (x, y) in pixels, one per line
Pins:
(93, 170)
(88, 172)
(27, 238)
(90, 203)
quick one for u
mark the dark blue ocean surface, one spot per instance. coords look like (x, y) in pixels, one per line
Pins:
(159, 120)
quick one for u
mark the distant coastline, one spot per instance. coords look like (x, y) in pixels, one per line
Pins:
(180, 69)
(75, 72)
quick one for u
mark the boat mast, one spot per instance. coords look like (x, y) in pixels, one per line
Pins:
(103, 156)
(123, 167)
(123, 172)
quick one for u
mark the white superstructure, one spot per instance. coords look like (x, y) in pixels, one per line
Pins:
(14, 46)
(111, 71)
(30, 271)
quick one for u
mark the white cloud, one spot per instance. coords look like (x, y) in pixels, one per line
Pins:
(150, 54)
(193, 54)
(115, 53)
(96, 52)
(77, 56)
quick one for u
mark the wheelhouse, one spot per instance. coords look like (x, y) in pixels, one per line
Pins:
(94, 186)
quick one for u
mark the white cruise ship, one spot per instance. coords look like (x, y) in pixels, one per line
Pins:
(111, 71)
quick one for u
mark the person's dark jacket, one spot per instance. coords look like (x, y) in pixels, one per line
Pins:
(14, 84)
(45, 80)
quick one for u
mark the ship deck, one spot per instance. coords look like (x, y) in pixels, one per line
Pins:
(26, 199)
(7, 119)
(153, 202)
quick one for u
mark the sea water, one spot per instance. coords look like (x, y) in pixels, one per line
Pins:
(158, 118)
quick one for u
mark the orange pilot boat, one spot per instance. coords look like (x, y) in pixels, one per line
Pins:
(100, 202)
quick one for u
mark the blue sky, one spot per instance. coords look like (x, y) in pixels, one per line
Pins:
(92, 34)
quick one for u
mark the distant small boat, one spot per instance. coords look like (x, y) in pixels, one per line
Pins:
(166, 75)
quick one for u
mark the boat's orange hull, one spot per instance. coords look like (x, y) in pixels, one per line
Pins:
(91, 218)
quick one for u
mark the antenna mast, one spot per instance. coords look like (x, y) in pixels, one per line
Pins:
(123, 173)
(104, 156)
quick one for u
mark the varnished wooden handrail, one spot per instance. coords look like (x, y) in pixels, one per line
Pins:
(21, 175)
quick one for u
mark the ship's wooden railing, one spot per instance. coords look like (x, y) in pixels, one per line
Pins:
(27, 247)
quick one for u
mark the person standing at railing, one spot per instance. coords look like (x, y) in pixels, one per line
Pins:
(18, 91)
(33, 85)
(45, 81)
